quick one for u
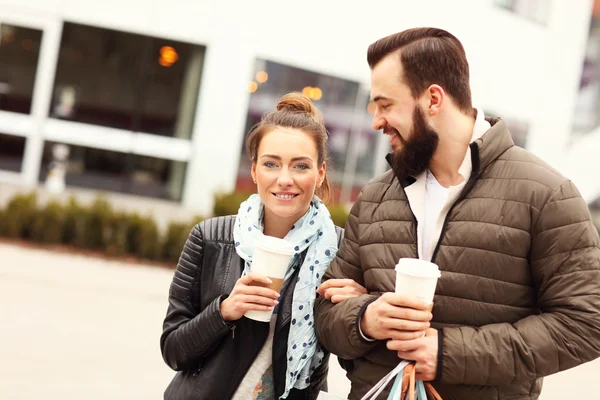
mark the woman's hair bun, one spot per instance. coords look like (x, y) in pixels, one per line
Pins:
(299, 103)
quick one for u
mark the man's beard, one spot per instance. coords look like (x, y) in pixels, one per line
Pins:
(417, 151)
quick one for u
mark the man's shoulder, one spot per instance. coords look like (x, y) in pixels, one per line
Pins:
(520, 164)
(378, 185)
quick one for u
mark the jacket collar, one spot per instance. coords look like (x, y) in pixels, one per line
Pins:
(493, 143)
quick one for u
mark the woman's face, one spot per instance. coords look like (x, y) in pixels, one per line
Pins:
(287, 172)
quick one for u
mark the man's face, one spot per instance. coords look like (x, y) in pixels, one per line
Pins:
(401, 117)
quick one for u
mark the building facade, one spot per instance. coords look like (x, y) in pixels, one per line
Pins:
(154, 98)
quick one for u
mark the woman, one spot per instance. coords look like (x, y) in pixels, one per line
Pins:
(220, 354)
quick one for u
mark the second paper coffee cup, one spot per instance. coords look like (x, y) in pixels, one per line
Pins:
(417, 278)
(271, 257)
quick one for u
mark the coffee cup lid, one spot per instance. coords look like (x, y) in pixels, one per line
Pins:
(416, 267)
(275, 245)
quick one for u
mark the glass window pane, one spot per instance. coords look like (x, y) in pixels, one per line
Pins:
(127, 81)
(367, 148)
(335, 98)
(169, 92)
(519, 128)
(12, 150)
(587, 106)
(113, 171)
(19, 54)
(535, 10)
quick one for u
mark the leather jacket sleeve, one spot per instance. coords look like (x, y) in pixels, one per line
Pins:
(190, 334)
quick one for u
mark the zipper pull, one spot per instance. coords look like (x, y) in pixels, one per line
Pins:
(232, 329)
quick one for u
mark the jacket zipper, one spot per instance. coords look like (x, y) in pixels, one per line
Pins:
(463, 194)
(199, 369)
(240, 377)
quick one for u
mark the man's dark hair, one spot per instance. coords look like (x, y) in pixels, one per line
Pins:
(428, 56)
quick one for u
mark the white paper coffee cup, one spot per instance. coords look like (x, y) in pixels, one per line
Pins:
(271, 257)
(417, 278)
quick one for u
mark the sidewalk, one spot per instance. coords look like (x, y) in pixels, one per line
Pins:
(75, 327)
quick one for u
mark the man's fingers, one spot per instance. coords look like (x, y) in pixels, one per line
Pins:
(401, 300)
(398, 312)
(404, 335)
(404, 325)
(405, 346)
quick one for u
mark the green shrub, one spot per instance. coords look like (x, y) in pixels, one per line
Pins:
(143, 238)
(74, 222)
(97, 222)
(19, 215)
(339, 215)
(116, 244)
(229, 203)
(2, 222)
(48, 223)
(175, 238)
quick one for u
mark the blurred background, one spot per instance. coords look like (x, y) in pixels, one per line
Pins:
(122, 123)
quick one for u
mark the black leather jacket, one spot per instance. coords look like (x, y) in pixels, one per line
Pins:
(212, 355)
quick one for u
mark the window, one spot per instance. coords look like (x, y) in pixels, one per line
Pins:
(587, 106)
(114, 171)
(595, 211)
(127, 81)
(19, 54)
(12, 149)
(535, 10)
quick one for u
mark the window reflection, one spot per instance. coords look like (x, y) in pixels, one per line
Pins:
(19, 54)
(127, 81)
(587, 106)
(12, 150)
(113, 171)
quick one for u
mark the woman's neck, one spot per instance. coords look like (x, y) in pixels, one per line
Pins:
(278, 226)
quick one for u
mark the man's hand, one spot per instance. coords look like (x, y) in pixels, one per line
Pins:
(423, 350)
(338, 290)
(397, 317)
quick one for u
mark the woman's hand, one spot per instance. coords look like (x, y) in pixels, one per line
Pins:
(247, 296)
(338, 290)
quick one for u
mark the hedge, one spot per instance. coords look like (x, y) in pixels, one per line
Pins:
(99, 227)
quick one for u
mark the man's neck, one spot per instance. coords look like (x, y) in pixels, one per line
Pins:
(455, 138)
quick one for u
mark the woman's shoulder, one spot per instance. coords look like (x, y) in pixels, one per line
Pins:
(216, 228)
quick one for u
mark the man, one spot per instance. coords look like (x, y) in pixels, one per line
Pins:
(519, 295)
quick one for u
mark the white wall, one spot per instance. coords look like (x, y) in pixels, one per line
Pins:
(519, 68)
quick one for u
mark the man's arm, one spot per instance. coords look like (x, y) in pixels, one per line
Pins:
(565, 268)
(337, 324)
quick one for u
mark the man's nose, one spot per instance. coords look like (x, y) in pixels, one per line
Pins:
(378, 121)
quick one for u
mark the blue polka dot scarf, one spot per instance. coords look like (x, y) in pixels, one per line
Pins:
(315, 233)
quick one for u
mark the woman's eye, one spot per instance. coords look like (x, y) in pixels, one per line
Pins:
(302, 166)
(270, 164)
